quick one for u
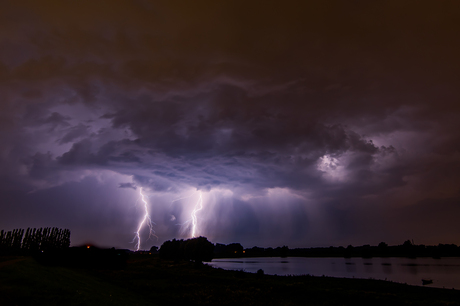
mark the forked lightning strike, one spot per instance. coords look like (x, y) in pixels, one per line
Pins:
(147, 220)
(193, 217)
(198, 207)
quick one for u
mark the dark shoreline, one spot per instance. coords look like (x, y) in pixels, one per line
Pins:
(147, 280)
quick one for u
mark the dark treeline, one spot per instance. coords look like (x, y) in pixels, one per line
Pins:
(407, 249)
(20, 242)
(237, 250)
(200, 249)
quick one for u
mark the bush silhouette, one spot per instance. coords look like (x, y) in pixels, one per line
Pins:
(260, 273)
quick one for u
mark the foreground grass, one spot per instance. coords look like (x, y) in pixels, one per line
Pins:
(150, 281)
(25, 282)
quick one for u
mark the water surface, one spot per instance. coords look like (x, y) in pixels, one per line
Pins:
(444, 272)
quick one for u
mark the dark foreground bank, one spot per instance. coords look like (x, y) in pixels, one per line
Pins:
(147, 280)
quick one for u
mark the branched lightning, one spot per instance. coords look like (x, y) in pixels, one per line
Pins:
(197, 208)
(147, 220)
(193, 218)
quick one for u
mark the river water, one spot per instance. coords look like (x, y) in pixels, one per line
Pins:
(444, 272)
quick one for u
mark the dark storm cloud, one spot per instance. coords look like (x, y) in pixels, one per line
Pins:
(127, 185)
(74, 133)
(41, 165)
(57, 119)
(348, 110)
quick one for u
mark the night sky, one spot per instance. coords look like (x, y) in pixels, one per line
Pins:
(301, 123)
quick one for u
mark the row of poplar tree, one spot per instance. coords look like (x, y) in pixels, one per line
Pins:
(34, 240)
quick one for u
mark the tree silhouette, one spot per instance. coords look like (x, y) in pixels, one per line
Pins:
(34, 240)
(197, 249)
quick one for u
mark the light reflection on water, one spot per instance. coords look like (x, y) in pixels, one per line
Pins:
(444, 272)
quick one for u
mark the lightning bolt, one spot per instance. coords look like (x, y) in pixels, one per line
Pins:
(197, 208)
(147, 220)
(193, 218)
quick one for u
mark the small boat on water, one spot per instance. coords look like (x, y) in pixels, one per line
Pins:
(426, 281)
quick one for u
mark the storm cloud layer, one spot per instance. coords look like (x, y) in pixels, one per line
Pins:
(301, 123)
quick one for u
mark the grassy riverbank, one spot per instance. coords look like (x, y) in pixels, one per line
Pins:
(149, 281)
